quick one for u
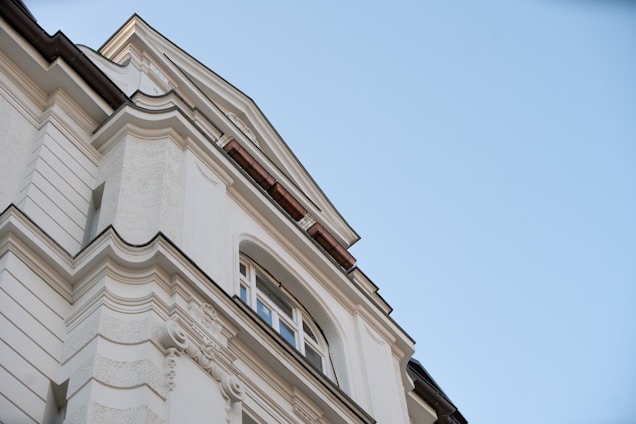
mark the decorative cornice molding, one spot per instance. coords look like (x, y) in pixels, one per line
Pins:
(243, 127)
(306, 222)
(25, 96)
(303, 409)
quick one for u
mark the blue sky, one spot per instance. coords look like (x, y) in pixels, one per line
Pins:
(485, 152)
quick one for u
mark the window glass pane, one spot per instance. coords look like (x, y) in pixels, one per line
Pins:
(243, 294)
(287, 333)
(243, 269)
(313, 357)
(264, 312)
(274, 295)
(308, 332)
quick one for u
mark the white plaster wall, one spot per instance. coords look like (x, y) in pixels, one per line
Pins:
(213, 231)
(142, 177)
(196, 397)
(205, 219)
(56, 189)
(384, 391)
(109, 173)
(16, 140)
(142, 191)
(115, 371)
(32, 331)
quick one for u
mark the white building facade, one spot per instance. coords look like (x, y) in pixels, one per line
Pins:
(165, 258)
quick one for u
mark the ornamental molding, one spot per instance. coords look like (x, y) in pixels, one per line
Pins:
(174, 338)
(209, 332)
(243, 127)
(28, 99)
(375, 336)
(206, 173)
(171, 365)
(147, 65)
(223, 140)
(205, 315)
(306, 222)
(304, 410)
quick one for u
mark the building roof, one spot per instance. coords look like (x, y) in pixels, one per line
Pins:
(58, 45)
(428, 389)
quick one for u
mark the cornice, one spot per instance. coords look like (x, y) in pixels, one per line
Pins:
(59, 46)
(21, 92)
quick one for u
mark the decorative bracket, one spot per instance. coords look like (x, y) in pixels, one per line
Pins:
(175, 340)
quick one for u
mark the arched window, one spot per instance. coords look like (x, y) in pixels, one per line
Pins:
(265, 295)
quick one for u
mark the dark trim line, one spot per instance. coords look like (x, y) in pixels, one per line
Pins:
(58, 45)
(427, 389)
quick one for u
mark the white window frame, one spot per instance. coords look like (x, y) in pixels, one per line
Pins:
(300, 322)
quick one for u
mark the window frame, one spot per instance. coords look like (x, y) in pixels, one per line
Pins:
(258, 287)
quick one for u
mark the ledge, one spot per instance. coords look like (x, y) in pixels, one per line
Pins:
(59, 45)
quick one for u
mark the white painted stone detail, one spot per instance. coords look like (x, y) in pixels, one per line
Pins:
(100, 414)
(222, 141)
(306, 222)
(125, 331)
(171, 363)
(243, 127)
(303, 410)
(206, 315)
(174, 338)
(128, 374)
(118, 374)
(233, 388)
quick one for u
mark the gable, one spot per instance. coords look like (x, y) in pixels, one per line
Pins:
(140, 60)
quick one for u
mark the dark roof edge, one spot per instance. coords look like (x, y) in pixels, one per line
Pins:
(23, 6)
(429, 390)
(51, 47)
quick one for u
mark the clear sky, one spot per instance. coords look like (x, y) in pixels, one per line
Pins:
(485, 152)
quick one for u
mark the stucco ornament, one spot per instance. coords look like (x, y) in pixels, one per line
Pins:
(171, 335)
(176, 340)
(241, 126)
(171, 365)
(206, 315)
(233, 388)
